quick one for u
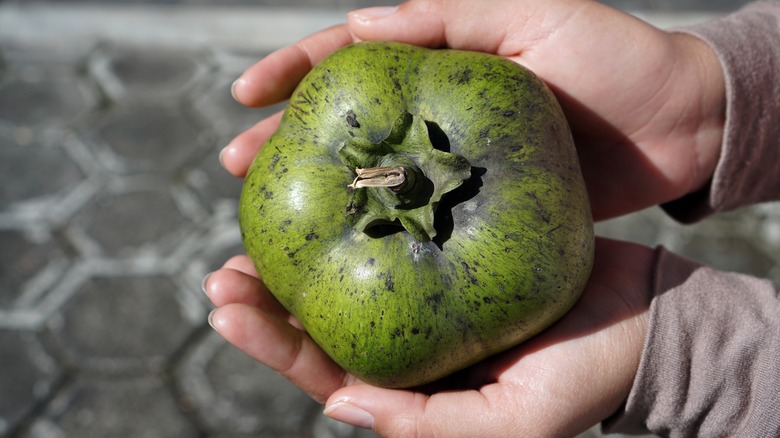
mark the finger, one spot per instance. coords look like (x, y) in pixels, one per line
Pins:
(243, 264)
(273, 78)
(410, 414)
(280, 346)
(239, 282)
(463, 25)
(228, 286)
(237, 156)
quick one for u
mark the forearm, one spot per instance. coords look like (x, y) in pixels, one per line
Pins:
(748, 171)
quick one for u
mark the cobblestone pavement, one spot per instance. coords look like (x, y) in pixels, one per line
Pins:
(113, 207)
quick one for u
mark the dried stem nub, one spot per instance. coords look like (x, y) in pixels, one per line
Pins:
(391, 177)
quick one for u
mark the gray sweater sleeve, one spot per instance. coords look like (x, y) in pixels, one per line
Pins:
(711, 360)
(748, 46)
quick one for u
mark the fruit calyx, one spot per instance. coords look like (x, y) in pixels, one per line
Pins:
(401, 179)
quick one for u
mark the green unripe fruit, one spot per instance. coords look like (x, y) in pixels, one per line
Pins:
(419, 210)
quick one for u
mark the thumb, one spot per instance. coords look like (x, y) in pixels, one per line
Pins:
(396, 23)
(457, 24)
(405, 413)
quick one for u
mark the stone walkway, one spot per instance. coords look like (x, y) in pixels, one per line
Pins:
(113, 207)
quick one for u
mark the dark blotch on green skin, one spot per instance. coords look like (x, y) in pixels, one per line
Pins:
(513, 246)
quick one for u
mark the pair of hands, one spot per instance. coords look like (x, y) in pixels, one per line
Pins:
(646, 110)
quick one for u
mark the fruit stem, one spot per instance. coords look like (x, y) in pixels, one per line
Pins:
(394, 177)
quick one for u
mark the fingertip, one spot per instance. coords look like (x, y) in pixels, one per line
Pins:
(348, 413)
(407, 23)
(228, 160)
(367, 16)
(236, 322)
(373, 23)
(231, 286)
(222, 287)
(389, 412)
(241, 263)
(237, 156)
(251, 88)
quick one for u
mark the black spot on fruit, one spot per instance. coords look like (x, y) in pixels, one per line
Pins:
(352, 119)
(462, 76)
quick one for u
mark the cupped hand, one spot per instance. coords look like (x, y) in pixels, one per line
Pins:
(559, 383)
(646, 106)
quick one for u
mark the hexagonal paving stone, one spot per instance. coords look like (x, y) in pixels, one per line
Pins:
(234, 394)
(26, 379)
(144, 138)
(3, 66)
(640, 227)
(727, 241)
(122, 223)
(124, 322)
(38, 59)
(29, 266)
(727, 253)
(139, 74)
(139, 407)
(766, 231)
(228, 117)
(45, 102)
(34, 169)
(213, 183)
(222, 241)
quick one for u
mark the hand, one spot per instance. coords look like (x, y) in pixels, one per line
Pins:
(559, 383)
(646, 106)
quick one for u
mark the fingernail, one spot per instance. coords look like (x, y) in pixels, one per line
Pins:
(203, 283)
(211, 319)
(350, 414)
(365, 15)
(237, 83)
(222, 155)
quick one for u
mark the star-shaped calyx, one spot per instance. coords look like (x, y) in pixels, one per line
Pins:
(401, 179)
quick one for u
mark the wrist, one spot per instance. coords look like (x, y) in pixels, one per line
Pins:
(706, 110)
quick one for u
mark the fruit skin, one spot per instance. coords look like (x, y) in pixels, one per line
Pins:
(515, 242)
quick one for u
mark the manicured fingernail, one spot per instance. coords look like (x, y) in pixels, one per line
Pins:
(236, 84)
(211, 319)
(350, 414)
(222, 155)
(203, 283)
(365, 15)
